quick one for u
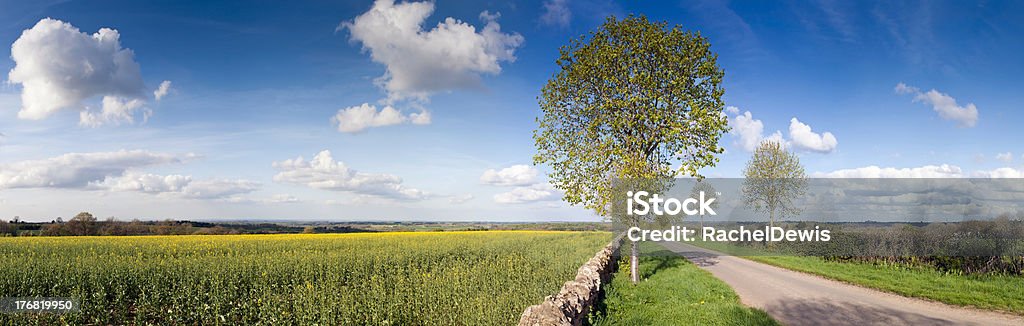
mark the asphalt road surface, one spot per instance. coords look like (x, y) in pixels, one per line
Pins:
(795, 298)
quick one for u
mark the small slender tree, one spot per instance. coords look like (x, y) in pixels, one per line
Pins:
(702, 185)
(635, 101)
(774, 177)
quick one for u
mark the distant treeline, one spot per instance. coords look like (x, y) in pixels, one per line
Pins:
(85, 224)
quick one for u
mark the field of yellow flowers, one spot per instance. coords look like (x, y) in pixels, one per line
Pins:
(414, 278)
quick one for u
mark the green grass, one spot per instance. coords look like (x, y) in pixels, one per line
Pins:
(673, 291)
(1004, 293)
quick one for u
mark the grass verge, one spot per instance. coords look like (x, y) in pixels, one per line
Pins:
(994, 292)
(673, 291)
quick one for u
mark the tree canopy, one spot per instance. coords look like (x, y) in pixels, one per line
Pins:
(774, 177)
(634, 99)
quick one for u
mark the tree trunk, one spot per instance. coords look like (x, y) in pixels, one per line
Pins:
(634, 263)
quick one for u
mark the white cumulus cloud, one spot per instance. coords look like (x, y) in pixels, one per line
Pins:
(927, 171)
(177, 185)
(323, 172)
(904, 89)
(527, 187)
(358, 118)
(749, 133)
(802, 137)
(533, 193)
(945, 105)
(219, 188)
(145, 182)
(749, 130)
(60, 67)
(116, 171)
(452, 55)
(163, 90)
(1000, 173)
(516, 175)
(419, 62)
(115, 111)
(77, 170)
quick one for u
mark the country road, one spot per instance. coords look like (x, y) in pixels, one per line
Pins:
(795, 298)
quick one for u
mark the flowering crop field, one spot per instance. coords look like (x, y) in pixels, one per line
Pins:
(413, 278)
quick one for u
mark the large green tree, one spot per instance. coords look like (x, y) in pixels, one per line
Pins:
(773, 178)
(83, 224)
(633, 100)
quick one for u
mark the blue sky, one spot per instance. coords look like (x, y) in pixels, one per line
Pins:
(254, 85)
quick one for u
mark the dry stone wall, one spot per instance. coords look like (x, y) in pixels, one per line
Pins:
(571, 305)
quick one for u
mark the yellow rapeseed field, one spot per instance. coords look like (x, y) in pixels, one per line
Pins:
(409, 278)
